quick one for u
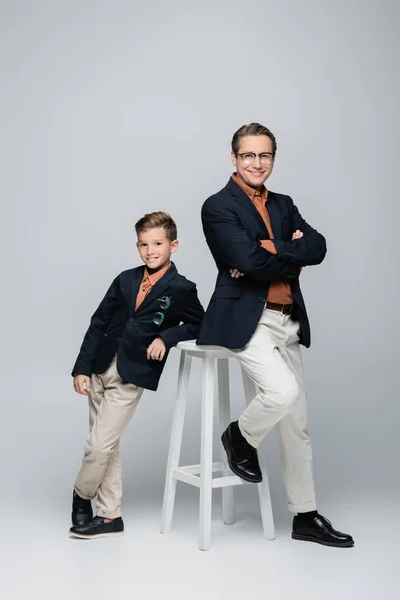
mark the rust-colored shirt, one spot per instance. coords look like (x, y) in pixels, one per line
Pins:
(279, 291)
(148, 281)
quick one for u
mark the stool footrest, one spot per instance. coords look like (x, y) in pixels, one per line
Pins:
(186, 477)
(191, 475)
(195, 469)
(228, 481)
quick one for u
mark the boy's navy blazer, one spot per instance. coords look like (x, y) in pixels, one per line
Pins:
(117, 328)
(233, 228)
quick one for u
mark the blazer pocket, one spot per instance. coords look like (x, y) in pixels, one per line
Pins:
(225, 291)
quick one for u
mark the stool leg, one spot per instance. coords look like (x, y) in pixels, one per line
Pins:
(206, 458)
(175, 441)
(224, 420)
(263, 487)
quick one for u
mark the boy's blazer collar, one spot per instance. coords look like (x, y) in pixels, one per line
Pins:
(156, 291)
(240, 196)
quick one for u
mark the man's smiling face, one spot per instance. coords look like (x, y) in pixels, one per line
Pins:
(254, 170)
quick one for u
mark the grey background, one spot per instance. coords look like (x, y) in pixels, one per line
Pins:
(113, 109)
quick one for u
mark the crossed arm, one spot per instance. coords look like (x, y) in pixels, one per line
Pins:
(272, 260)
(267, 245)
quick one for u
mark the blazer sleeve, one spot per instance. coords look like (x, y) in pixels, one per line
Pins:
(94, 335)
(191, 317)
(308, 250)
(230, 244)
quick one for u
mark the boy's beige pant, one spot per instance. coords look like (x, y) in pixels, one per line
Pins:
(112, 403)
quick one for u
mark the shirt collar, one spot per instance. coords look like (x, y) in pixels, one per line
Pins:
(154, 277)
(251, 192)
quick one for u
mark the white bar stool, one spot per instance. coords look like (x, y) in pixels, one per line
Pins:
(201, 475)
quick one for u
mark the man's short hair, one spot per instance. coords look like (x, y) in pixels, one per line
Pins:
(158, 219)
(252, 129)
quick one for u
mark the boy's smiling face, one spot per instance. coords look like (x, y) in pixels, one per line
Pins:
(155, 248)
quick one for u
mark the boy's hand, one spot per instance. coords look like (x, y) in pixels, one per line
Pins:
(82, 384)
(156, 350)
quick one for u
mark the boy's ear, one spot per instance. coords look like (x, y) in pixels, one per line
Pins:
(174, 245)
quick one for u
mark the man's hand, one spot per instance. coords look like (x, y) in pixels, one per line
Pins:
(235, 273)
(156, 350)
(82, 384)
(297, 235)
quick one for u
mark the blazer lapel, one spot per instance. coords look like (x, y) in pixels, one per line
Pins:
(274, 215)
(136, 281)
(243, 199)
(159, 288)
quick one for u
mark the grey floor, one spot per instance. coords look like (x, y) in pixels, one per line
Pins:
(40, 560)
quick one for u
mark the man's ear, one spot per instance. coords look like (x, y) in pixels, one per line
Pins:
(233, 157)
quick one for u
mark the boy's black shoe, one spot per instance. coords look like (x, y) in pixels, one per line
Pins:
(97, 527)
(82, 511)
(320, 530)
(242, 458)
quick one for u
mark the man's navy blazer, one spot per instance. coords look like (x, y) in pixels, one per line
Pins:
(233, 228)
(117, 328)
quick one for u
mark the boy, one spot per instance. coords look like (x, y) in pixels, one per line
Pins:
(124, 352)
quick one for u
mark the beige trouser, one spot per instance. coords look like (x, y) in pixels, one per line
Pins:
(112, 403)
(273, 361)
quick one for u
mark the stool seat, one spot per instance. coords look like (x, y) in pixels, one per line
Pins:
(215, 351)
(201, 475)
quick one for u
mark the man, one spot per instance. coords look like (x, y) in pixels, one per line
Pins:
(260, 243)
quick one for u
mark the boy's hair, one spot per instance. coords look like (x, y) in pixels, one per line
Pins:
(158, 219)
(252, 129)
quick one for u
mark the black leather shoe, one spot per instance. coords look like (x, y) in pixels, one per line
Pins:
(320, 530)
(242, 458)
(97, 527)
(82, 511)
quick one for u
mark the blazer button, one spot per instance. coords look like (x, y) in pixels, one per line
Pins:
(118, 339)
(262, 299)
(130, 319)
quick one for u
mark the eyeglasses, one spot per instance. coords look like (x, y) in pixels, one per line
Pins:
(165, 303)
(266, 158)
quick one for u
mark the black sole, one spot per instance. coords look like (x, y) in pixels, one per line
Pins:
(233, 468)
(309, 538)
